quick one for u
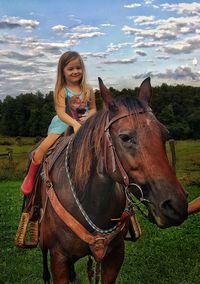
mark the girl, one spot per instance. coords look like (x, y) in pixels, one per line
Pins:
(71, 81)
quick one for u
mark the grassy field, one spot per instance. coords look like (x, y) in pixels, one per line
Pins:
(158, 257)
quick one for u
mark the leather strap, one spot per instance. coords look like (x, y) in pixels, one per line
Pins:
(112, 162)
(68, 219)
(98, 243)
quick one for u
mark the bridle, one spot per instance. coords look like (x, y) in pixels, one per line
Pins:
(126, 184)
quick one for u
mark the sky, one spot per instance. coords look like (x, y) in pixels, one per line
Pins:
(121, 41)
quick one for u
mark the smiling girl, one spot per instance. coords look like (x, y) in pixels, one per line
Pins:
(71, 81)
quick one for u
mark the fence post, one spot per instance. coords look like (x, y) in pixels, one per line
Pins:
(172, 153)
(10, 155)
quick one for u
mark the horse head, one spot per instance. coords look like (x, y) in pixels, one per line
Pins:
(136, 156)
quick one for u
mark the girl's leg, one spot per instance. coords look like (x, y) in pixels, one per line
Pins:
(37, 158)
(194, 206)
(43, 147)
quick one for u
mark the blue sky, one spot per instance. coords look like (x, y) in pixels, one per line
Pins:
(121, 41)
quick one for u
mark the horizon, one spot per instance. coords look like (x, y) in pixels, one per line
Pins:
(97, 89)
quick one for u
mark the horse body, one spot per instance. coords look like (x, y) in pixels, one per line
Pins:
(137, 140)
(65, 247)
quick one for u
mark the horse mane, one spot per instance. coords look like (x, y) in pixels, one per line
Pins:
(87, 143)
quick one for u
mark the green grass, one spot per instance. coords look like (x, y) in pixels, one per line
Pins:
(15, 168)
(158, 257)
(165, 256)
(188, 160)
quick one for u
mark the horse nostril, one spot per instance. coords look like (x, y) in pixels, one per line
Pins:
(167, 206)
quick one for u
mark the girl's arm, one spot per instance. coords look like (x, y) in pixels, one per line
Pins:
(61, 112)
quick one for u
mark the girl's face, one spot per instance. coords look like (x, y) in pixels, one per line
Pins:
(73, 72)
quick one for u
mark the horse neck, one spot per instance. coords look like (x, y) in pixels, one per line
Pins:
(103, 196)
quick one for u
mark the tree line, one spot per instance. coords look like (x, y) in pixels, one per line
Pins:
(178, 107)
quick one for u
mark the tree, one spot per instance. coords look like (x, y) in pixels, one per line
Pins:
(178, 107)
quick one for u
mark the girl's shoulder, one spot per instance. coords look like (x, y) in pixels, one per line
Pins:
(89, 90)
(89, 87)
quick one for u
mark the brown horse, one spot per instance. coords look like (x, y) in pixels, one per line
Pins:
(119, 149)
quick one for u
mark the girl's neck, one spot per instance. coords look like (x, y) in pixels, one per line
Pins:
(76, 88)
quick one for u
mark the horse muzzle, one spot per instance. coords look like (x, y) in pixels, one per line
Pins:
(168, 211)
(166, 204)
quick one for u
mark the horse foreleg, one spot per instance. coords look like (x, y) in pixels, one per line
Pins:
(46, 274)
(72, 273)
(111, 264)
(59, 268)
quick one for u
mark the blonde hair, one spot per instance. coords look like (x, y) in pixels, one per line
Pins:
(60, 81)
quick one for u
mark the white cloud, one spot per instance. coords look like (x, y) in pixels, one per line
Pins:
(120, 61)
(16, 22)
(143, 20)
(115, 47)
(194, 61)
(107, 25)
(83, 35)
(85, 55)
(148, 2)
(180, 8)
(148, 44)
(156, 33)
(133, 5)
(179, 74)
(85, 29)
(187, 45)
(59, 28)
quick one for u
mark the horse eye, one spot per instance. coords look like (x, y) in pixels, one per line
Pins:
(125, 137)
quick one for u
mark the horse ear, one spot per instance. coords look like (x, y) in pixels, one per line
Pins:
(145, 91)
(106, 96)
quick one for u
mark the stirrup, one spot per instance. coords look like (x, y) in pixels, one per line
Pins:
(20, 237)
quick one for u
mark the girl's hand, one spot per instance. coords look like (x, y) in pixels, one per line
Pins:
(82, 118)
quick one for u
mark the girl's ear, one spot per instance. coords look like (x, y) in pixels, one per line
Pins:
(145, 91)
(107, 96)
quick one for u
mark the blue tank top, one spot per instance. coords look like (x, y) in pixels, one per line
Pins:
(57, 126)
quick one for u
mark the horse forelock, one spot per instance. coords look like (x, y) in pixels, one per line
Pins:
(131, 103)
